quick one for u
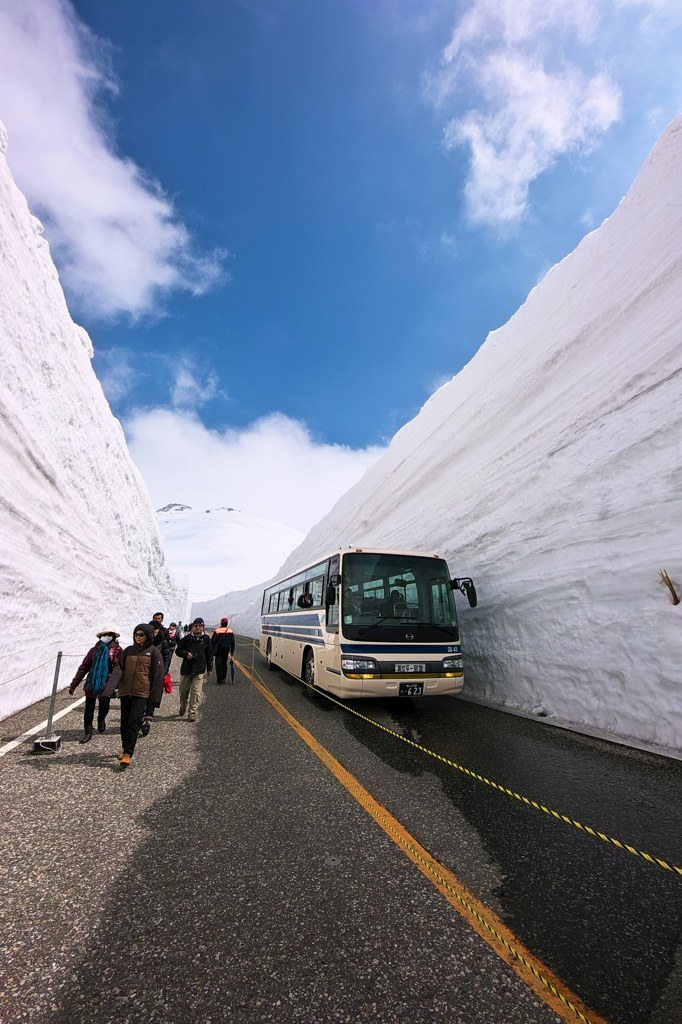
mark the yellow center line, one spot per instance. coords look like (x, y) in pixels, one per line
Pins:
(544, 983)
(556, 815)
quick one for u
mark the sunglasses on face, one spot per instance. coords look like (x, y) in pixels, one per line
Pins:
(140, 633)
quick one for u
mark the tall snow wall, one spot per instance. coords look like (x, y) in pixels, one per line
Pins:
(550, 470)
(80, 546)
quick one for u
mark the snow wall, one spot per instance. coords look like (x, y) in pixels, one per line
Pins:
(550, 470)
(79, 542)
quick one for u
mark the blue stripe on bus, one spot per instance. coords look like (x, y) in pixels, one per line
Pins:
(392, 649)
(297, 636)
(299, 630)
(289, 620)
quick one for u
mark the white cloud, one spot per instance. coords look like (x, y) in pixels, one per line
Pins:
(513, 63)
(272, 468)
(116, 237)
(668, 9)
(542, 116)
(192, 386)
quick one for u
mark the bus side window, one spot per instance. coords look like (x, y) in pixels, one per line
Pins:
(316, 588)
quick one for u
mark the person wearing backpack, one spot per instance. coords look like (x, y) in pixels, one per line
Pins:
(223, 649)
(98, 665)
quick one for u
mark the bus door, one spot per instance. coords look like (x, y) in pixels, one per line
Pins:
(328, 670)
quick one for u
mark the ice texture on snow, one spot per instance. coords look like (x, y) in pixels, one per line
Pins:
(550, 470)
(80, 547)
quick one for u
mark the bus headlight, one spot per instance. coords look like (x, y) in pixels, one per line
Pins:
(452, 666)
(359, 668)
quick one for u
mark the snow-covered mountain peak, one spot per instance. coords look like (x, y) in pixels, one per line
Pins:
(173, 507)
(217, 548)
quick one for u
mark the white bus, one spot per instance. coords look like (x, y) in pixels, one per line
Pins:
(368, 623)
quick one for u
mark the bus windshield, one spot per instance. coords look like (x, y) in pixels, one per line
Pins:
(392, 596)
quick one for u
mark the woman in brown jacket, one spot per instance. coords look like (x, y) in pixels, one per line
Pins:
(142, 675)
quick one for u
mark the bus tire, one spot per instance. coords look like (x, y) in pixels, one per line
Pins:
(309, 671)
(268, 657)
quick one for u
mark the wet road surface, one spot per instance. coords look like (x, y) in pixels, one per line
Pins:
(228, 876)
(607, 922)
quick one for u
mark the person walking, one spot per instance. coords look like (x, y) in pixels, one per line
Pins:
(161, 644)
(197, 661)
(158, 617)
(142, 675)
(98, 665)
(223, 645)
(173, 637)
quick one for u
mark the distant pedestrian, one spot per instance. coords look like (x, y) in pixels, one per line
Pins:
(158, 617)
(141, 680)
(173, 637)
(98, 665)
(223, 650)
(197, 661)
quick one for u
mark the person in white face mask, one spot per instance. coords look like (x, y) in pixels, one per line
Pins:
(98, 665)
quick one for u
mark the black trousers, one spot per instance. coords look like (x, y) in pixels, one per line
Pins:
(221, 665)
(89, 711)
(132, 713)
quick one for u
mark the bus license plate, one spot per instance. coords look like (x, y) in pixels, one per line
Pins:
(410, 667)
(410, 689)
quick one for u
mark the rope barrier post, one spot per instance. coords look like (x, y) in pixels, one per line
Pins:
(49, 744)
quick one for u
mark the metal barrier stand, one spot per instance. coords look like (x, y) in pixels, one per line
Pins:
(49, 744)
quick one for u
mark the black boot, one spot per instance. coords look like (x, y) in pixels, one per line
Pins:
(101, 725)
(87, 735)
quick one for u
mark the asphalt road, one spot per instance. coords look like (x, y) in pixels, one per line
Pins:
(227, 875)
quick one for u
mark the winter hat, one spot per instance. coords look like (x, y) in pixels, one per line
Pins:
(223, 622)
(198, 622)
(144, 627)
(110, 632)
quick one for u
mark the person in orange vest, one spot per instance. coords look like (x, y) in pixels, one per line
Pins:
(223, 649)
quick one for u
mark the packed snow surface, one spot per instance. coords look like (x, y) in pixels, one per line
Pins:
(80, 544)
(550, 470)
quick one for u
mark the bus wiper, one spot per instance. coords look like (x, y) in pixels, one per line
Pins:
(371, 625)
(434, 625)
(410, 622)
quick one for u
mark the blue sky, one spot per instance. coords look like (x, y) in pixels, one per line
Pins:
(285, 222)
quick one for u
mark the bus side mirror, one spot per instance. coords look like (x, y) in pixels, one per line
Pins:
(330, 595)
(466, 586)
(335, 579)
